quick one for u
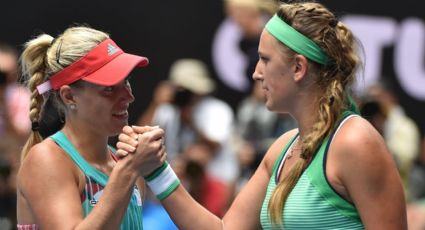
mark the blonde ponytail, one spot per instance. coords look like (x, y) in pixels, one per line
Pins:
(45, 56)
(33, 61)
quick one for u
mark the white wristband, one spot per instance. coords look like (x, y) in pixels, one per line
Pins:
(163, 181)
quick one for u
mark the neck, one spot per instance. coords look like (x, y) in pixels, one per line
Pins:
(91, 145)
(305, 112)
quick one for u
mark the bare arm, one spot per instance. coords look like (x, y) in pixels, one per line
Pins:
(244, 212)
(49, 182)
(369, 174)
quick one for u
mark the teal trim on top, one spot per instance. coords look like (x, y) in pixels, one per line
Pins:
(132, 218)
(352, 105)
(283, 153)
(317, 174)
(60, 138)
(112, 150)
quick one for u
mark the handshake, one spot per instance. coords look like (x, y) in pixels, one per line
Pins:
(143, 147)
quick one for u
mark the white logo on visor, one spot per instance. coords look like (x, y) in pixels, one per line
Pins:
(112, 49)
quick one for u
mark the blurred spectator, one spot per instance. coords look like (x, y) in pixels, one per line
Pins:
(401, 134)
(417, 176)
(248, 160)
(14, 129)
(250, 16)
(163, 94)
(191, 115)
(256, 124)
(258, 128)
(374, 113)
(211, 193)
(14, 98)
(7, 195)
(190, 167)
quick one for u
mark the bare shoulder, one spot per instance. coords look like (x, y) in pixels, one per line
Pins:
(276, 148)
(359, 148)
(42, 154)
(46, 161)
(364, 167)
(358, 140)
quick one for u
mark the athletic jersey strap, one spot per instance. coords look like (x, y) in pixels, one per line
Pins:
(60, 138)
(317, 174)
(95, 183)
(312, 200)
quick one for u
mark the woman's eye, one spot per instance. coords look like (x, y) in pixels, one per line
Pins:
(264, 59)
(127, 80)
(108, 89)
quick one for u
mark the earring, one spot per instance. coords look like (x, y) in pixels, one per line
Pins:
(72, 106)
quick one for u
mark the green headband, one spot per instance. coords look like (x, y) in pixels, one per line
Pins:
(296, 41)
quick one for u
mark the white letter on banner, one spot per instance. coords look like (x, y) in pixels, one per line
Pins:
(229, 61)
(409, 57)
(374, 33)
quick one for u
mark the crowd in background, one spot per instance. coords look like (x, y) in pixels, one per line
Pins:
(252, 129)
(213, 147)
(14, 130)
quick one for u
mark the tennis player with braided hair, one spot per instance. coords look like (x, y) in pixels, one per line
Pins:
(72, 179)
(334, 171)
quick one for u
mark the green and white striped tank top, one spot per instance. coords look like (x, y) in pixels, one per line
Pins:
(95, 182)
(313, 203)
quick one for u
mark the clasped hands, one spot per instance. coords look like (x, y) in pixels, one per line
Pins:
(144, 145)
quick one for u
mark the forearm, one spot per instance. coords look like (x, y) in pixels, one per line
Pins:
(187, 213)
(113, 204)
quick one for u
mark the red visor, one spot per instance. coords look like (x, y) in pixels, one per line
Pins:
(106, 64)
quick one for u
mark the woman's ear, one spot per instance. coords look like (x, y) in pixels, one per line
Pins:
(300, 67)
(67, 95)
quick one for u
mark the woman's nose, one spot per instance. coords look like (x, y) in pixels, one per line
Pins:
(130, 95)
(257, 75)
(127, 92)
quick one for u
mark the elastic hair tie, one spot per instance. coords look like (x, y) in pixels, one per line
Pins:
(35, 126)
(58, 52)
(53, 41)
(331, 100)
(333, 22)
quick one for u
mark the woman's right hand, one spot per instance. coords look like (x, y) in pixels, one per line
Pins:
(143, 146)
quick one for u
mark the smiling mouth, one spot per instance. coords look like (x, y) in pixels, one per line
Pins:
(121, 114)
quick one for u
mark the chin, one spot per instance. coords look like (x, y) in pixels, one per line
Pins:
(276, 109)
(117, 129)
(269, 106)
(113, 133)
